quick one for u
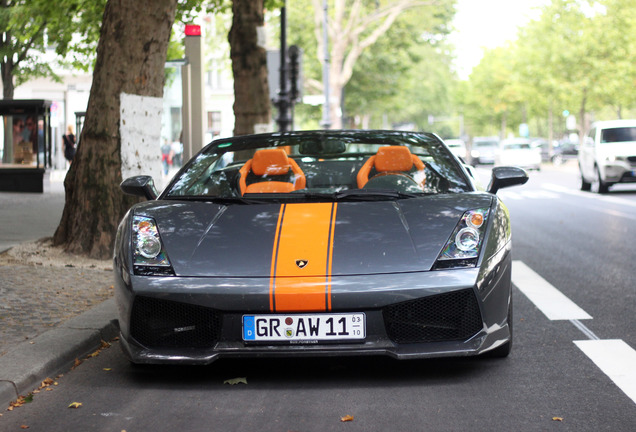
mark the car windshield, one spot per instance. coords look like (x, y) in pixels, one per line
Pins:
(619, 134)
(517, 146)
(321, 165)
(486, 143)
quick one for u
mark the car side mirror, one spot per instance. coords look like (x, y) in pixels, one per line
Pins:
(506, 176)
(143, 186)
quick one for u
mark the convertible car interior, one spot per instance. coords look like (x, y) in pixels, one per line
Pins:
(274, 170)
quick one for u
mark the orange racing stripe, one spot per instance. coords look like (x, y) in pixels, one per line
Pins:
(305, 232)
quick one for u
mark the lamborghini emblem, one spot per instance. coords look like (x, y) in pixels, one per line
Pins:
(302, 263)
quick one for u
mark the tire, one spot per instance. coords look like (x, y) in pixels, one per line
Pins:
(557, 160)
(585, 186)
(598, 185)
(502, 351)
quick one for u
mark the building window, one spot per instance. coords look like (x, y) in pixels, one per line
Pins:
(214, 123)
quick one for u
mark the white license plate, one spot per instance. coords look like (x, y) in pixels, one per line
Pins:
(308, 327)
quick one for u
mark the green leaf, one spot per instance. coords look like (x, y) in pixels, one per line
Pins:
(234, 381)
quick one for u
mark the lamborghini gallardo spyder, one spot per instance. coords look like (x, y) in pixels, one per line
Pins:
(316, 243)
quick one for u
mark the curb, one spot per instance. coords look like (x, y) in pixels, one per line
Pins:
(25, 367)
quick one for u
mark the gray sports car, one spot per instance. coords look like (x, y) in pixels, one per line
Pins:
(316, 243)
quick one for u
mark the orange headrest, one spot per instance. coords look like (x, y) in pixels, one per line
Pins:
(390, 159)
(393, 158)
(270, 162)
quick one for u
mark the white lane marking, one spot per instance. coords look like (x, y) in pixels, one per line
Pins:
(530, 194)
(549, 300)
(610, 199)
(553, 191)
(509, 195)
(616, 359)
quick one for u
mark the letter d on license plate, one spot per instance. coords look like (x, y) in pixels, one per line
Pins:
(310, 327)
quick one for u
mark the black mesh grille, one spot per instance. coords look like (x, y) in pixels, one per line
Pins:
(450, 316)
(157, 323)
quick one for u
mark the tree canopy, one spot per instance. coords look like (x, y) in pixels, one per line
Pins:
(578, 57)
(30, 26)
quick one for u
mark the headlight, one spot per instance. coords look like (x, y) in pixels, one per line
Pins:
(462, 249)
(149, 256)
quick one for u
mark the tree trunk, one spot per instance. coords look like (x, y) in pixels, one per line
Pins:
(252, 107)
(351, 32)
(7, 65)
(584, 127)
(7, 80)
(130, 59)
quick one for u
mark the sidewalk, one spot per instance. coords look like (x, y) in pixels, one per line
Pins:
(52, 310)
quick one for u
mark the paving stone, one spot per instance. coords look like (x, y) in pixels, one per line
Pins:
(34, 299)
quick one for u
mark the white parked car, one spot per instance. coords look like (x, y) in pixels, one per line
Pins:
(518, 152)
(608, 155)
(457, 147)
(484, 150)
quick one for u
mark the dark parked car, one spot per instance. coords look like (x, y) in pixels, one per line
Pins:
(560, 151)
(564, 150)
(320, 243)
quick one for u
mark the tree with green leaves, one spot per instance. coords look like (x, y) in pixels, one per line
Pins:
(252, 106)
(30, 26)
(577, 56)
(493, 95)
(130, 60)
(131, 55)
(371, 46)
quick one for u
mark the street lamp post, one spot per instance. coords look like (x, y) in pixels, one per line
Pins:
(283, 102)
(326, 116)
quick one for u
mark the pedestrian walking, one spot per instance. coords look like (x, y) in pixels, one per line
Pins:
(69, 144)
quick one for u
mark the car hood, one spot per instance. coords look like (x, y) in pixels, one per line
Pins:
(627, 148)
(344, 238)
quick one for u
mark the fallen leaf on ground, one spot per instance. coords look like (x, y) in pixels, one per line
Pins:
(346, 418)
(75, 405)
(235, 381)
(108, 369)
(557, 418)
(21, 400)
(24, 427)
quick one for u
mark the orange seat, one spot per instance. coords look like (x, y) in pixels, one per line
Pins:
(267, 164)
(390, 159)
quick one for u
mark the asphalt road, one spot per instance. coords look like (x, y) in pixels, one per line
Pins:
(572, 366)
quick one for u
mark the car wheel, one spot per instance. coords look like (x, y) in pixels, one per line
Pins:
(598, 185)
(585, 186)
(557, 160)
(503, 351)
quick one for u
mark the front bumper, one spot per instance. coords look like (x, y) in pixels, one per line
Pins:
(466, 312)
(619, 173)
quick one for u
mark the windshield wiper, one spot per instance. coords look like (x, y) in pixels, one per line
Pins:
(370, 194)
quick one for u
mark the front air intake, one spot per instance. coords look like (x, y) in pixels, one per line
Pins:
(158, 323)
(441, 317)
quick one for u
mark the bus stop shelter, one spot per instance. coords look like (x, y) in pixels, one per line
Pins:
(26, 147)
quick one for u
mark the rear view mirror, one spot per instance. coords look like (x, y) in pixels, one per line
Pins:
(143, 186)
(506, 176)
